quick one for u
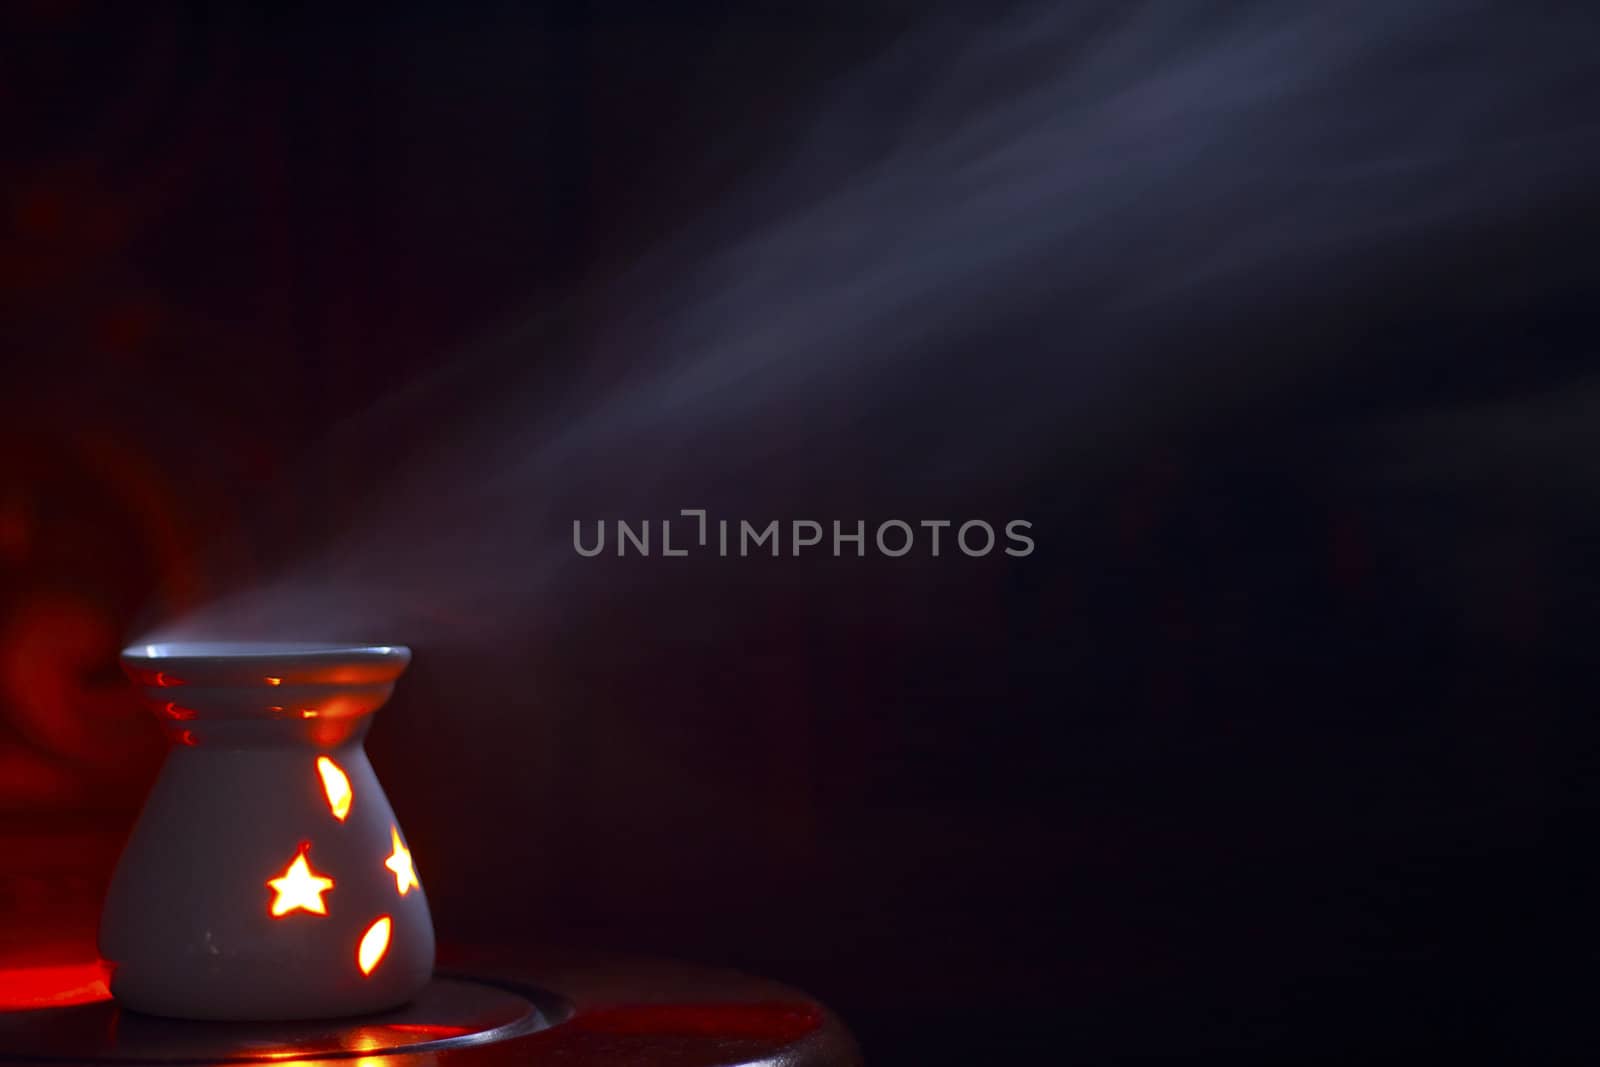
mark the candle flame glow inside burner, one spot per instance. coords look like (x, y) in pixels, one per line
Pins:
(299, 888)
(374, 943)
(405, 875)
(336, 786)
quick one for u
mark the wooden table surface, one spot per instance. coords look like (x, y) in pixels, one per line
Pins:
(608, 1011)
(614, 1010)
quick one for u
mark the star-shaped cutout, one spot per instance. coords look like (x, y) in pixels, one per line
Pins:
(405, 875)
(299, 888)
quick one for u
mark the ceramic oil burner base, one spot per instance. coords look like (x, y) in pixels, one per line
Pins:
(267, 877)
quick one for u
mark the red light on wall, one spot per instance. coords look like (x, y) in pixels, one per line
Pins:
(374, 943)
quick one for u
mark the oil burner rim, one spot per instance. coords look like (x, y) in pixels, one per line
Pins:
(261, 663)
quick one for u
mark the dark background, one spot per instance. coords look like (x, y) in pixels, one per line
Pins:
(1258, 757)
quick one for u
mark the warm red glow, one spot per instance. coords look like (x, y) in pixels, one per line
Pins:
(163, 679)
(337, 787)
(328, 733)
(293, 1052)
(374, 943)
(405, 875)
(187, 738)
(309, 713)
(431, 1030)
(55, 986)
(274, 681)
(175, 710)
(299, 888)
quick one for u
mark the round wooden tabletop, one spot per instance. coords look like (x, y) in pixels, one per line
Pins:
(485, 1009)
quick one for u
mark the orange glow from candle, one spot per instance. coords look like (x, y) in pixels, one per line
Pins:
(299, 888)
(374, 943)
(337, 787)
(274, 681)
(405, 875)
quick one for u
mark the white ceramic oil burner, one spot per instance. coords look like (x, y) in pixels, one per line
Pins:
(266, 877)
